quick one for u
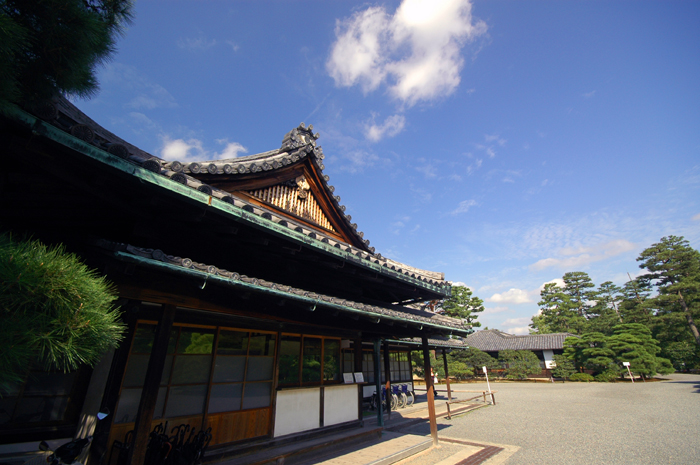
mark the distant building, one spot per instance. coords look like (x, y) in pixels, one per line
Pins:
(545, 346)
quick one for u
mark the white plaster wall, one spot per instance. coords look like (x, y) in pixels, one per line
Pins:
(548, 358)
(339, 404)
(298, 410)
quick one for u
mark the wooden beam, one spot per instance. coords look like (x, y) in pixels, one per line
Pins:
(149, 394)
(387, 376)
(378, 381)
(447, 375)
(431, 394)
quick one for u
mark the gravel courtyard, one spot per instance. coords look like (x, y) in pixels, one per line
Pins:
(584, 423)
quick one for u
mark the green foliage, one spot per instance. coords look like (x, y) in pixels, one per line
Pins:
(463, 305)
(609, 376)
(581, 377)
(460, 370)
(473, 358)
(50, 46)
(683, 355)
(558, 312)
(674, 268)
(519, 364)
(55, 310)
(590, 351)
(563, 367)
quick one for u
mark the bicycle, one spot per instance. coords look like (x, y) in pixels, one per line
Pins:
(398, 395)
(410, 398)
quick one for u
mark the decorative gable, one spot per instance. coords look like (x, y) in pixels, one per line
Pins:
(294, 196)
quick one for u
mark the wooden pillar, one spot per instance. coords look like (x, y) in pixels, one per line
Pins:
(387, 377)
(447, 375)
(149, 395)
(378, 381)
(430, 389)
(357, 368)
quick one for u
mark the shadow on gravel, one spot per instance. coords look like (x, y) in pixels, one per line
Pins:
(697, 386)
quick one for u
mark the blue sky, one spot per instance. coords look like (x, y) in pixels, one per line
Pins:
(502, 142)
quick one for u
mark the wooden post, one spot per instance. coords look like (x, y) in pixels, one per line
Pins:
(447, 376)
(387, 377)
(357, 368)
(431, 393)
(378, 381)
(149, 395)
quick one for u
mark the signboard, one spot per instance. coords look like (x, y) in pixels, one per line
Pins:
(359, 378)
(347, 378)
(626, 364)
(484, 368)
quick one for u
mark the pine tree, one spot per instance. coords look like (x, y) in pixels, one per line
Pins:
(674, 268)
(51, 46)
(54, 310)
(463, 305)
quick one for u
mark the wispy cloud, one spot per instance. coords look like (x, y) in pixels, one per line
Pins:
(571, 258)
(389, 128)
(417, 49)
(234, 46)
(464, 206)
(145, 94)
(590, 94)
(195, 44)
(696, 217)
(512, 296)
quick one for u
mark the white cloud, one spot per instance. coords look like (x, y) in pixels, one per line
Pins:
(512, 296)
(231, 150)
(198, 44)
(696, 217)
(358, 160)
(148, 95)
(390, 127)
(518, 331)
(590, 94)
(417, 50)
(581, 256)
(463, 207)
(193, 150)
(233, 45)
(491, 310)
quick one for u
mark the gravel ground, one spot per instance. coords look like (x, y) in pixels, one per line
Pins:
(583, 423)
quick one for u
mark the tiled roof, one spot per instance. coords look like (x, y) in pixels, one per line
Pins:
(297, 144)
(492, 340)
(437, 343)
(157, 258)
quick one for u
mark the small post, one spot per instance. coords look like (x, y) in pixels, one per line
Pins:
(431, 394)
(447, 376)
(387, 377)
(486, 373)
(627, 364)
(378, 381)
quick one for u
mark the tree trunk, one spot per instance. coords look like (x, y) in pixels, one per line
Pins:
(689, 317)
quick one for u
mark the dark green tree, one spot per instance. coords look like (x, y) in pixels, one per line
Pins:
(54, 310)
(563, 367)
(463, 305)
(632, 342)
(473, 358)
(51, 46)
(519, 364)
(605, 313)
(590, 351)
(581, 291)
(674, 268)
(558, 313)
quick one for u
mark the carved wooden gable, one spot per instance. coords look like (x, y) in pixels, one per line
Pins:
(295, 197)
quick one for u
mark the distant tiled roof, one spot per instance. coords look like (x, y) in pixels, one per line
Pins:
(157, 258)
(297, 144)
(435, 343)
(492, 340)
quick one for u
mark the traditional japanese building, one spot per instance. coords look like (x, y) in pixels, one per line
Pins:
(247, 290)
(545, 346)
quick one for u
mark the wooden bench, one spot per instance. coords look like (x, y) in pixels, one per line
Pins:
(483, 394)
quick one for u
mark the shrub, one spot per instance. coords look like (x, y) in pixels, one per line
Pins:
(519, 364)
(581, 377)
(607, 376)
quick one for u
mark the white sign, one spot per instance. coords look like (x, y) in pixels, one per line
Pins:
(484, 368)
(626, 364)
(347, 378)
(359, 378)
